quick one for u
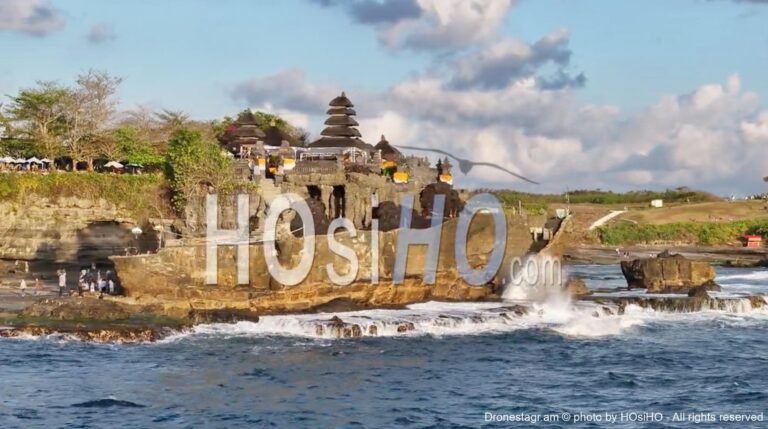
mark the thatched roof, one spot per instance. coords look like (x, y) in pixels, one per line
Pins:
(248, 132)
(341, 120)
(274, 136)
(386, 148)
(335, 142)
(340, 132)
(244, 128)
(341, 111)
(341, 101)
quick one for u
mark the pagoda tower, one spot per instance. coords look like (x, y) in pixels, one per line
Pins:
(340, 130)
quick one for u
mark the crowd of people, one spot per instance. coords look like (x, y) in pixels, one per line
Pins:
(90, 281)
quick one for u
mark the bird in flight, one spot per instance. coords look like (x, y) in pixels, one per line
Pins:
(466, 165)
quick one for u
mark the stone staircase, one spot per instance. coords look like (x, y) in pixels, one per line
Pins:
(269, 191)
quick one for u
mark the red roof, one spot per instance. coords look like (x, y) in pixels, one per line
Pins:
(753, 237)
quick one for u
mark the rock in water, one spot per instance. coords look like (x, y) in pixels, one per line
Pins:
(668, 274)
(576, 287)
(699, 292)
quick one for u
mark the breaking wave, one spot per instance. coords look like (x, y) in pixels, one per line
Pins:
(580, 319)
(753, 276)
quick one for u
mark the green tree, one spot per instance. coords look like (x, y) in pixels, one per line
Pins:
(135, 148)
(195, 164)
(38, 115)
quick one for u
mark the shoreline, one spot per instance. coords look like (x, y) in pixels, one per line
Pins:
(144, 327)
(716, 255)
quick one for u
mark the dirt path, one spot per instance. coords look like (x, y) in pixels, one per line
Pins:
(603, 220)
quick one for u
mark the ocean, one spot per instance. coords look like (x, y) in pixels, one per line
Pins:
(565, 364)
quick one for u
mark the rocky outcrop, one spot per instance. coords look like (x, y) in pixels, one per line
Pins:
(668, 274)
(78, 309)
(67, 230)
(699, 292)
(173, 280)
(575, 286)
(684, 304)
(95, 335)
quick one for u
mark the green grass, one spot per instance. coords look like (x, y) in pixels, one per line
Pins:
(711, 233)
(142, 195)
(539, 201)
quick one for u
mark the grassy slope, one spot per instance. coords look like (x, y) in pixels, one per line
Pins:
(711, 223)
(141, 195)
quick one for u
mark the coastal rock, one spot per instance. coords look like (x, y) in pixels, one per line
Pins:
(226, 315)
(575, 286)
(668, 274)
(699, 292)
(120, 335)
(77, 309)
(172, 281)
(685, 304)
(338, 328)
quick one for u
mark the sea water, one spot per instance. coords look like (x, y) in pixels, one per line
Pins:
(463, 365)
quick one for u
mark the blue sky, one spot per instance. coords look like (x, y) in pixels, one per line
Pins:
(213, 58)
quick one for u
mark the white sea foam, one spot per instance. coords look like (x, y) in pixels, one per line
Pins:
(556, 314)
(753, 275)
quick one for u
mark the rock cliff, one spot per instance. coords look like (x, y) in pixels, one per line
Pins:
(668, 274)
(173, 279)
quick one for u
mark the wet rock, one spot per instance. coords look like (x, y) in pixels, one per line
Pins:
(120, 335)
(339, 328)
(77, 309)
(222, 316)
(575, 286)
(373, 330)
(699, 292)
(668, 274)
(405, 327)
(518, 310)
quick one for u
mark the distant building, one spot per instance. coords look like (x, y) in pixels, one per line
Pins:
(242, 136)
(657, 203)
(753, 240)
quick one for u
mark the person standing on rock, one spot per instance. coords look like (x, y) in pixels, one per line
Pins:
(62, 280)
(23, 287)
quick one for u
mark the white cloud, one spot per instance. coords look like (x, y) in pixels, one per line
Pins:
(101, 33)
(34, 17)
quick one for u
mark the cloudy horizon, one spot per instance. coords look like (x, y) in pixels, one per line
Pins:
(590, 94)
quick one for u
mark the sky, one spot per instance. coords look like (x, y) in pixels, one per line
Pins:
(574, 94)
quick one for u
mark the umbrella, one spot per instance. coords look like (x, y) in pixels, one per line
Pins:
(20, 161)
(35, 160)
(6, 159)
(46, 160)
(113, 164)
(132, 165)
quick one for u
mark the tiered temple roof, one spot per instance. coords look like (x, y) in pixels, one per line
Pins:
(244, 130)
(340, 130)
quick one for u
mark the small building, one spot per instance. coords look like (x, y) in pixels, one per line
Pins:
(751, 240)
(242, 136)
(657, 203)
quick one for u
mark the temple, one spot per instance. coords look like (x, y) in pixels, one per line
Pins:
(339, 173)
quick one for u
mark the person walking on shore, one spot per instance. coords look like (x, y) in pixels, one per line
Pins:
(23, 287)
(62, 281)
